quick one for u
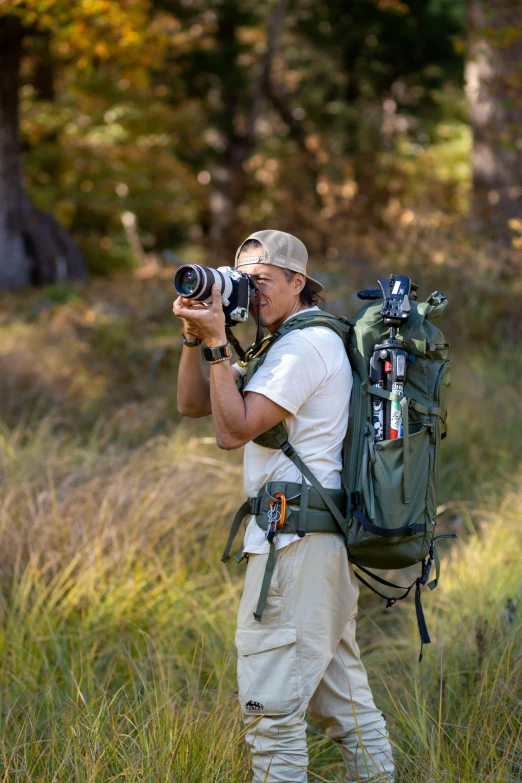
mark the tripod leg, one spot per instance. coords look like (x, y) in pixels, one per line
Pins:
(376, 378)
(397, 378)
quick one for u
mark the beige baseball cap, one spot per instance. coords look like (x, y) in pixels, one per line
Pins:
(281, 249)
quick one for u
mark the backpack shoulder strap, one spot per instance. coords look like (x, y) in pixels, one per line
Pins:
(256, 354)
(339, 325)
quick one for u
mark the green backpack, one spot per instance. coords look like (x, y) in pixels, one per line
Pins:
(386, 508)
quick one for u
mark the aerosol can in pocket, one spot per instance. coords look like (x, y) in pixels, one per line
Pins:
(397, 387)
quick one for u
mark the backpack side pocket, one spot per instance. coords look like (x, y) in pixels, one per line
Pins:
(382, 478)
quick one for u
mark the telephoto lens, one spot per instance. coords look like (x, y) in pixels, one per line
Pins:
(193, 281)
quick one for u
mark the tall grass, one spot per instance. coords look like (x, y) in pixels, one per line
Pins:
(117, 624)
(117, 619)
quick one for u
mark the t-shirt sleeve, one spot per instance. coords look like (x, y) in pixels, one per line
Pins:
(292, 371)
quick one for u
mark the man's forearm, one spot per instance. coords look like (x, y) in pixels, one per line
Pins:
(228, 406)
(193, 386)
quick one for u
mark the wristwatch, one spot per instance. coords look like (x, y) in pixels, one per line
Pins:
(218, 354)
(190, 343)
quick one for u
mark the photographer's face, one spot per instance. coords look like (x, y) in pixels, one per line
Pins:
(276, 297)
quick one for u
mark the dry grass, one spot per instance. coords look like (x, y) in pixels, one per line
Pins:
(117, 618)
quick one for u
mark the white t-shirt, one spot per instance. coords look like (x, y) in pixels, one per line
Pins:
(307, 372)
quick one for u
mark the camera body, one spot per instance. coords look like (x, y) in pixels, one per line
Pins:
(194, 281)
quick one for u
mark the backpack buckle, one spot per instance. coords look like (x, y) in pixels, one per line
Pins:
(356, 499)
(287, 449)
(255, 506)
(426, 573)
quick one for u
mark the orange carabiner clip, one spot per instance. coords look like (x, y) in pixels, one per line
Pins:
(282, 515)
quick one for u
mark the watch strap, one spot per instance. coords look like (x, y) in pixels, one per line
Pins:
(217, 354)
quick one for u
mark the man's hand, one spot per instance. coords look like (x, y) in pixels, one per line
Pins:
(201, 321)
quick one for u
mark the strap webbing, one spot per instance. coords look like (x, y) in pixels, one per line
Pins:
(387, 395)
(425, 410)
(410, 530)
(242, 511)
(433, 584)
(292, 455)
(289, 451)
(377, 392)
(267, 578)
(421, 622)
(406, 450)
(303, 510)
(234, 342)
(389, 599)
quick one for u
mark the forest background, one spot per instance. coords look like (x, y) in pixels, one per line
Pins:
(136, 135)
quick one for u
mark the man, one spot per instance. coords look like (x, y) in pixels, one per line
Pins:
(302, 657)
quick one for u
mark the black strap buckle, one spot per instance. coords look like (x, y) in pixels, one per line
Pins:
(255, 505)
(426, 573)
(287, 448)
(356, 499)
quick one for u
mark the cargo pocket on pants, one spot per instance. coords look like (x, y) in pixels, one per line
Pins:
(268, 672)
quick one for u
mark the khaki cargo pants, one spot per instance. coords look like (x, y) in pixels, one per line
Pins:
(303, 657)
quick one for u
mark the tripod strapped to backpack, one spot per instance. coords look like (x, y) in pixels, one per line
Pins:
(388, 361)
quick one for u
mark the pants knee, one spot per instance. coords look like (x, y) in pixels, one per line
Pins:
(367, 752)
(278, 749)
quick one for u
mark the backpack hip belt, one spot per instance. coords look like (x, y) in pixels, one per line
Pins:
(306, 512)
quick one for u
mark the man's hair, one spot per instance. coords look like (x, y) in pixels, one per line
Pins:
(307, 296)
(252, 246)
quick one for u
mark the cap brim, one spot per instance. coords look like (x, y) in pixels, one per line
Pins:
(315, 285)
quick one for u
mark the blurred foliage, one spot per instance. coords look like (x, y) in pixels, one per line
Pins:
(113, 603)
(140, 106)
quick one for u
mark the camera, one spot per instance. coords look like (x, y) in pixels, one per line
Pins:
(193, 281)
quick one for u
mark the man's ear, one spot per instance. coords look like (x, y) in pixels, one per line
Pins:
(299, 282)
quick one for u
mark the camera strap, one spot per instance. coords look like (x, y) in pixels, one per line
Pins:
(234, 342)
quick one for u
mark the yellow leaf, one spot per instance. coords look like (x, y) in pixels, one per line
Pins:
(515, 224)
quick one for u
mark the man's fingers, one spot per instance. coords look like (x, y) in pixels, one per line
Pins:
(216, 298)
(187, 307)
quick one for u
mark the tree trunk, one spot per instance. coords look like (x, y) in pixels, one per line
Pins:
(14, 262)
(229, 178)
(34, 248)
(494, 89)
